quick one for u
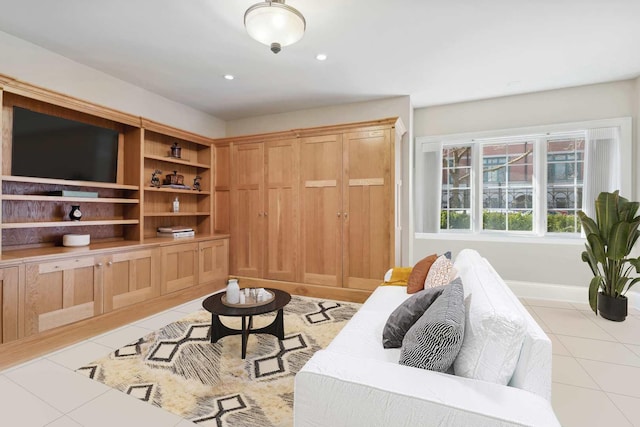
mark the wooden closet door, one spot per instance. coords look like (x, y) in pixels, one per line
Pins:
(247, 228)
(367, 204)
(320, 210)
(280, 216)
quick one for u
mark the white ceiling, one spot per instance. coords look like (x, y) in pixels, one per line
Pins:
(438, 52)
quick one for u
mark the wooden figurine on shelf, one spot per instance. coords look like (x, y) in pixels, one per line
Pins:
(155, 179)
(196, 183)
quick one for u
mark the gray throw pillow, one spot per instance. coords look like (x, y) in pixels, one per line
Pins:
(406, 314)
(433, 342)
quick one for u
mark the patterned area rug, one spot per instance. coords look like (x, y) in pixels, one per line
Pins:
(179, 370)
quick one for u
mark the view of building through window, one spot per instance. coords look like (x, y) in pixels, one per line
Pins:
(508, 182)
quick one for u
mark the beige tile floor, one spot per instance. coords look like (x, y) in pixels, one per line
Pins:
(596, 372)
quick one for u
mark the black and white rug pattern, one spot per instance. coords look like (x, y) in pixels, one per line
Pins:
(179, 370)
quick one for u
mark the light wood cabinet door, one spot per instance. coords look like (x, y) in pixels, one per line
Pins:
(131, 277)
(247, 222)
(61, 292)
(214, 261)
(281, 210)
(321, 210)
(367, 208)
(179, 267)
(9, 284)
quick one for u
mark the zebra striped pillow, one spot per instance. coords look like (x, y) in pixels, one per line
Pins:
(433, 342)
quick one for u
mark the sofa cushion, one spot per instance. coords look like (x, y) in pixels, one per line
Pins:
(434, 341)
(494, 328)
(406, 314)
(439, 273)
(397, 276)
(419, 274)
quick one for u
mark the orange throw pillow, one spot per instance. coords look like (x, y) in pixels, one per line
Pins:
(419, 274)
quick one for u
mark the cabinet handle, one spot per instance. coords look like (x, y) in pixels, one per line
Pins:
(338, 214)
(110, 263)
(346, 214)
(265, 214)
(99, 264)
(259, 213)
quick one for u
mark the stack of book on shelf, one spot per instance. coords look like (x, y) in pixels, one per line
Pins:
(175, 232)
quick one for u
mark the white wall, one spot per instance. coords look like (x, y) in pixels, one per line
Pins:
(32, 64)
(550, 263)
(338, 114)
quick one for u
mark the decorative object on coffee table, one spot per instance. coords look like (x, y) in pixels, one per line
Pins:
(610, 239)
(217, 308)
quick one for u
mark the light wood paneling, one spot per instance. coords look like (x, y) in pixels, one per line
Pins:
(222, 188)
(179, 267)
(281, 210)
(213, 263)
(247, 222)
(320, 210)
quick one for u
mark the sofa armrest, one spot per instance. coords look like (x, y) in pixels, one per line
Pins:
(335, 389)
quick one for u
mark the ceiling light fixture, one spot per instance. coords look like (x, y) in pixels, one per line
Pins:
(275, 24)
(321, 57)
(229, 77)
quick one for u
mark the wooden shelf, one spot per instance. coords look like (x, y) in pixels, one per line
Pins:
(170, 214)
(176, 190)
(50, 224)
(177, 161)
(69, 182)
(42, 198)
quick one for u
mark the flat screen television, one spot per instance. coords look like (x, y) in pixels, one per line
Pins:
(46, 146)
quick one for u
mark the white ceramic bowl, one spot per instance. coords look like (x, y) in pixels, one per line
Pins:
(75, 239)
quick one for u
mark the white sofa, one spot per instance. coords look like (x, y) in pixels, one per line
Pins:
(356, 382)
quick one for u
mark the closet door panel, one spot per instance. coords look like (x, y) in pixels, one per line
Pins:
(281, 210)
(247, 222)
(367, 208)
(321, 210)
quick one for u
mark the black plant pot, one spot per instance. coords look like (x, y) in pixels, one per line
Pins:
(612, 308)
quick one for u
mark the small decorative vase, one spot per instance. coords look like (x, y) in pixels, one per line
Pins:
(233, 291)
(75, 213)
(176, 150)
(612, 308)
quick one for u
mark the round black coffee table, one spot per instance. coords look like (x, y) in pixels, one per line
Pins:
(217, 308)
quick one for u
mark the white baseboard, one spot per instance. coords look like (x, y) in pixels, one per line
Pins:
(558, 292)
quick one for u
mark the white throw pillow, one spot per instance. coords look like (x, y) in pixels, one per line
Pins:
(494, 327)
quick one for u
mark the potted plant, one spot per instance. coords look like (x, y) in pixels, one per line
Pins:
(610, 239)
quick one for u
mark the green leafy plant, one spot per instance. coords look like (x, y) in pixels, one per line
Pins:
(610, 239)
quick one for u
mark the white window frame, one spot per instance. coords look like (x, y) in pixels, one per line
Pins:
(429, 143)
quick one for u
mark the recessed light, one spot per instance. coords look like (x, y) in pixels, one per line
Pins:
(229, 77)
(321, 57)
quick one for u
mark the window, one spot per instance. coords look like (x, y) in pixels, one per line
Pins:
(526, 185)
(507, 186)
(456, 188)
(565, 171)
